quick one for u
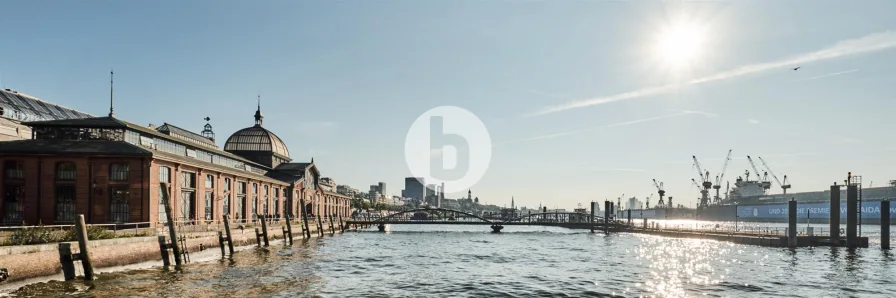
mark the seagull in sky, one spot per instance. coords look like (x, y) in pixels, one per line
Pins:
(797, 68)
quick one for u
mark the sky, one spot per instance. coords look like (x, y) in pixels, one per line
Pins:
(583, 100)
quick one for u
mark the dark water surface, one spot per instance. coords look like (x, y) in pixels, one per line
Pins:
(467, 261)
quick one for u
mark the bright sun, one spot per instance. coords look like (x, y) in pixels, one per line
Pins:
(679, 44)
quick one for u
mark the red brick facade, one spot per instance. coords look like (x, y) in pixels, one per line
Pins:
(92, 186)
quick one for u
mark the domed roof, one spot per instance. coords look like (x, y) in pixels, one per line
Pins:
(256, 138)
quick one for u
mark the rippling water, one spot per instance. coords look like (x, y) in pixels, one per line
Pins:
(467, 261)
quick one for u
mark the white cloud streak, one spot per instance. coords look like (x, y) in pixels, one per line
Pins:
(566, 133)
(866, 44)
(828, 75)
(752, 121)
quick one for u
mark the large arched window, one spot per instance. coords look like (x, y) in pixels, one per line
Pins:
(65, 191)
(13, 191)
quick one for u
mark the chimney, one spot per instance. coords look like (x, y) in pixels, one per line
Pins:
(152, 126)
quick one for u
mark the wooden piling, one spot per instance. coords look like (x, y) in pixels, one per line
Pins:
(320, 226)
(172, 232)
(227, 232)
(288, 228)
(257, 236)
(304, 218)
(65, 258)
(332, 230)
(221, 242)
(341, 225)
(84, 254)
(163, 249)
(264, 229)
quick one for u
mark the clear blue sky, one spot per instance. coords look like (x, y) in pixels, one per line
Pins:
(342, 81)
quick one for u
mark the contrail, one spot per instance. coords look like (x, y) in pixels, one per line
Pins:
(828, 75)
(554, 135)
(647, 119)
(866, 44)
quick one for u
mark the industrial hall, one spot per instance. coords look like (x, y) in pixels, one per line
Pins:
(112, 171)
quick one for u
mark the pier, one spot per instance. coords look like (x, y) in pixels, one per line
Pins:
(782, 237)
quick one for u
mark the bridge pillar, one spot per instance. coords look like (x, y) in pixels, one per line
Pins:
(496, 228)
(381, 227)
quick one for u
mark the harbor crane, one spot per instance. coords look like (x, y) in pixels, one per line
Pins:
(661, 192)
(784, 185)
(764, 182)
(704, 194)
(720, 177)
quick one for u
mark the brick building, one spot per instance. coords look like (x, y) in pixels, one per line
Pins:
(110, 170)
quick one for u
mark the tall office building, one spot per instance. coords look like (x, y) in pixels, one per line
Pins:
(414, 188)
(430, 190)
(382, 188)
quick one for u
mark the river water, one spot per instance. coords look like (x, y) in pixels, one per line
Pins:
(468, 261)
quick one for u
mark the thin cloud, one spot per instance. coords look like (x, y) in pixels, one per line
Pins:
(866, 44)
(752, 121)
(647, 119)
(566, 133)
(548, 136)
(828, 75)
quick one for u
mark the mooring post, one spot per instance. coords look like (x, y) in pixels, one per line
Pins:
(172, 233)
(288, 227)
(221, 242)
(591, 219)
(257, 236)
(305, 218)
(885, 224)
(163, 248)
(264, 230)
(341, 225)
(332, 230)
(629, 217)
(607, 216)
(852, 215)
(834, 224)
(84, 254)
(65, 258)
(320, 226)
(791, 223)
(227, 232)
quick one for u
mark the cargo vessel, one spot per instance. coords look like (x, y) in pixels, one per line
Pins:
(749, 201)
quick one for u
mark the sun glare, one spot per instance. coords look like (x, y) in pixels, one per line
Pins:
(680, 44)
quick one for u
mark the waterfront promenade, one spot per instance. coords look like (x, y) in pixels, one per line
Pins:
(26, 262)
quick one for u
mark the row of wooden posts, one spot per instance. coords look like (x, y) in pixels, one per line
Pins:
(177, 245)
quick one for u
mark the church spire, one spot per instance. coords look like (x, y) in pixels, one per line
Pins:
(258, 116)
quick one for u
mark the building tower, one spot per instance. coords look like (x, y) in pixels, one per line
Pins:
(207, 130)
(512, 205)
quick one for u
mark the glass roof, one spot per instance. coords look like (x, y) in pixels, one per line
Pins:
(22, 107)
(256, 138)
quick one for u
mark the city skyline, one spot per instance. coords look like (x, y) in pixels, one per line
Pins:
(579, 106)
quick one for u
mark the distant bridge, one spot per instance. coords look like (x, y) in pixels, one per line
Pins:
(442, 216)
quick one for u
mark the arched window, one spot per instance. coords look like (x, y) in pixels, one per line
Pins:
(65, 171)
(226, 207)
(13, 191)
